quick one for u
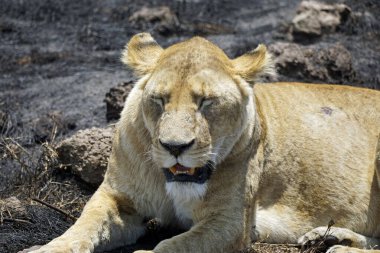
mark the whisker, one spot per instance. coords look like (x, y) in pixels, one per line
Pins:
(198, 152)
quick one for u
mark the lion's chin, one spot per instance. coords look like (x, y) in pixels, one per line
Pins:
(181, 192)
(179, 173)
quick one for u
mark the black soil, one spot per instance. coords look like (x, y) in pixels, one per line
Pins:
(58, 59)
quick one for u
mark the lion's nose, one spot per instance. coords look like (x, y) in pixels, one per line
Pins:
(176, 148)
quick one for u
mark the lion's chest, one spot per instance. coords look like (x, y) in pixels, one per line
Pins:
(186, 198)
(184, 211)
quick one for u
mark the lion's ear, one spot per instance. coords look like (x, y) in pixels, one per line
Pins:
(254, 64)
(141, 53)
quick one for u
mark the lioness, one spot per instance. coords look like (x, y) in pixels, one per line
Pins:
(200, 146)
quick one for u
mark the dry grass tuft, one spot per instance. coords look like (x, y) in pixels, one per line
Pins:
(49, 200)
(38, 179)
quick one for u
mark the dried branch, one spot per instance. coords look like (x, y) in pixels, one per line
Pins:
(55, 208)
(16, 220)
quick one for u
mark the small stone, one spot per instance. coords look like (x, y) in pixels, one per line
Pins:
(48, 126)
(13, 206)
(163, 18)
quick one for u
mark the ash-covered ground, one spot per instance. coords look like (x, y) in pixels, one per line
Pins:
(58, 59)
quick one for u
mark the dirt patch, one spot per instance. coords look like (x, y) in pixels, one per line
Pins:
(59, 58)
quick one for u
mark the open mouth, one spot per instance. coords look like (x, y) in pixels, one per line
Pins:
(180, 173)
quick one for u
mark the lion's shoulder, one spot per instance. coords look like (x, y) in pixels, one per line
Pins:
(304, 94)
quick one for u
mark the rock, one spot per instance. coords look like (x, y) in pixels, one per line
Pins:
(330, 63)
(315, 18)
(12, 206)
(205, 28)
(162, 18)
(86, 153)
(37, 56)
(115, 99)
(6, 26)
(47, 127)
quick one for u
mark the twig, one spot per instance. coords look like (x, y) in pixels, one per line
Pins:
(21, 147)
(55, 208)
(16, 220)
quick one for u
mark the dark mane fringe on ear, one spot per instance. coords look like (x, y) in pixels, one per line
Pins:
(141, 53)
(255, 64)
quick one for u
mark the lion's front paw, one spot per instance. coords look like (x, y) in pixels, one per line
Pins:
(318, 237)
(31, 249)
(62, 246)
(343, 249)
(322, 237)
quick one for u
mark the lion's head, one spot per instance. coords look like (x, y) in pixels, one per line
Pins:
(195, 102)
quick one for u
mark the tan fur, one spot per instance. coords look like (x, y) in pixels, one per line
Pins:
(288, 157)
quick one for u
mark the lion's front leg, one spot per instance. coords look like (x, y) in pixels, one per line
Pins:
(107, 221)
(222, 223)
(219, 233)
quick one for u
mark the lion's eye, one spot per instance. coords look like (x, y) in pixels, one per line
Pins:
(204, 104)
(158, 101)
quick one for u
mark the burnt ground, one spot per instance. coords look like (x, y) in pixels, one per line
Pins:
(58, 58)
